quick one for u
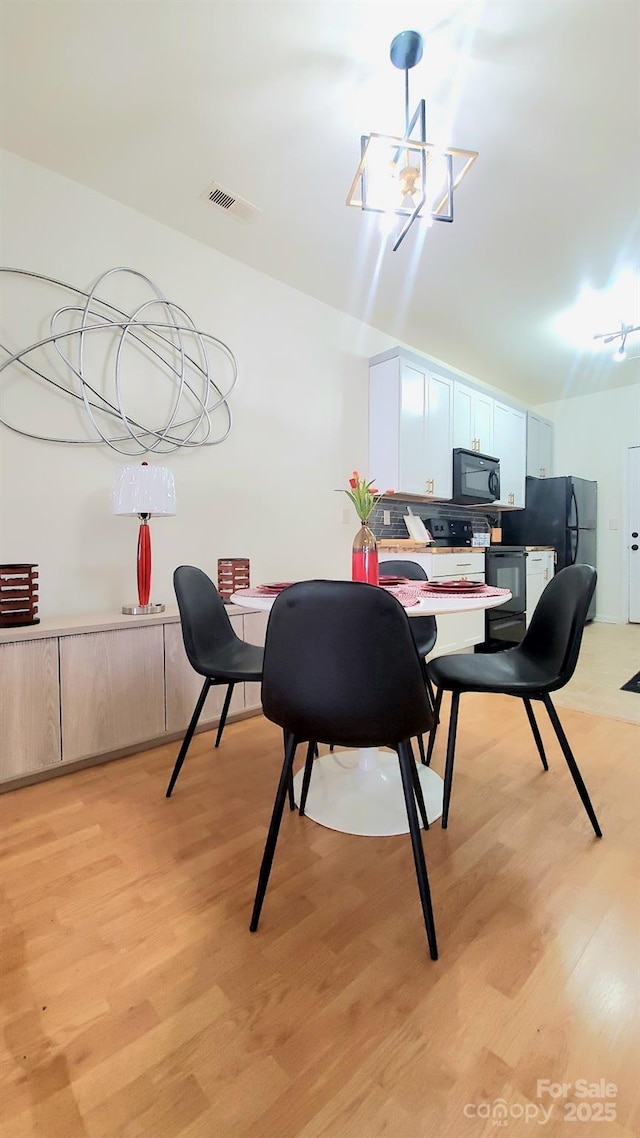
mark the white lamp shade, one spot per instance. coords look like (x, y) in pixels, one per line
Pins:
(144, 490)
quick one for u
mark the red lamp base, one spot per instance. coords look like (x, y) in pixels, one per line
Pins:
(142, 610)
(143, 607)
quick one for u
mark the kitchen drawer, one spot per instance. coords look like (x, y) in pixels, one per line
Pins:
(455, 565)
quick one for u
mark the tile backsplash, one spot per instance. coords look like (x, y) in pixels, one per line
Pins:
(397, 508)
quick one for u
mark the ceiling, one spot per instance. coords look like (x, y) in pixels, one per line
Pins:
(150, 102)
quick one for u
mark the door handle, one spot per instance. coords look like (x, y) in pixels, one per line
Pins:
(634, 548)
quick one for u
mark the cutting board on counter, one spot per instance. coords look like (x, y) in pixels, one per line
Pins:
(398, 544)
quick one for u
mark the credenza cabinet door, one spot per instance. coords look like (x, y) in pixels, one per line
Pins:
(29, 707)
(183, 685)
(111, 690)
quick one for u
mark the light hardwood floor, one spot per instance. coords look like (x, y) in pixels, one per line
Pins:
(609, 657)
(136, 1002)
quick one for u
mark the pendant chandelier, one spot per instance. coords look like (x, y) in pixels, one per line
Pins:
(406, 175)
(609, 337)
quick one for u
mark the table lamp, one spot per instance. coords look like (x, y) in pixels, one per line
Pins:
(144, 491)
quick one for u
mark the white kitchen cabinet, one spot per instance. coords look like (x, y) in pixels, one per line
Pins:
(540, 570)
(410, 428)
(539, 446)
(456, 631)
(472, 418)
(510, 446)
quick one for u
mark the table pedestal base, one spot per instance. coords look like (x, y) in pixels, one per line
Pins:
(360, 792)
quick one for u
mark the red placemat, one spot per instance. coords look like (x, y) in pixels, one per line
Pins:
(412, 594)
(409, 595)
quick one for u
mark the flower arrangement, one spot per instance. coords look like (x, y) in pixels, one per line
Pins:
(364, 496)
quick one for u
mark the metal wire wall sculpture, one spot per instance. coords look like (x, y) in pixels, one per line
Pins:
(176, 348)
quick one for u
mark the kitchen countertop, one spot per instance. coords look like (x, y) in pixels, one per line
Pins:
(433, 549)
(462, 548)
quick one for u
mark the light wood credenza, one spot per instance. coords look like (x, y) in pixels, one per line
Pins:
(81, 689)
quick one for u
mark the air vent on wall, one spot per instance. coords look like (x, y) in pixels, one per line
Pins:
(223, 199)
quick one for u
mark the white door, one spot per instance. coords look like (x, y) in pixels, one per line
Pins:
(633, 544)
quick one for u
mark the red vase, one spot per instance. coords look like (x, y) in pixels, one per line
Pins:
(364, 557)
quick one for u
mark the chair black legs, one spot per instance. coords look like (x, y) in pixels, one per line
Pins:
(432, 701)
(436, 720)
(306, 778)
(572, 765)
(225, 709)
(417, 789)
(432, 696)
(274, 829)
(562, 739)
(408, 775)
(291, 792)
(182, 754)
(536, 734)
(451, 751)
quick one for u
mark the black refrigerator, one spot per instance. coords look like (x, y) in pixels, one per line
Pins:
(560, 512)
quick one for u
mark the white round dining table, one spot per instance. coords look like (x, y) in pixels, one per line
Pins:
(360, 791)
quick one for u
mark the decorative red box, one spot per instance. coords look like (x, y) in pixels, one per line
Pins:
(233, 574)
(18, 595)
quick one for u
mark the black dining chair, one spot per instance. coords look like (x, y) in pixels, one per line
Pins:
(424, 628)
(341, 666)
(213, 649)
(542, 663)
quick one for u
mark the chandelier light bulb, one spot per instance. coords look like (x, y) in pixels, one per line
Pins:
(621, 354)
(416, 189)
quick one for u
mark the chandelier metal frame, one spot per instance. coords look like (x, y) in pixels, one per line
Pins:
(624, 331)
(405, 52)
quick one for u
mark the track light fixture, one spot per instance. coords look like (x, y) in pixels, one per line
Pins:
(406, 175)
(608, 338)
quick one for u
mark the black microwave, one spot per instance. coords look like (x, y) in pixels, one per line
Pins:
(476, 477)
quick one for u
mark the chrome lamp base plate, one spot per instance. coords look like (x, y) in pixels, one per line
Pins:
(142, 610)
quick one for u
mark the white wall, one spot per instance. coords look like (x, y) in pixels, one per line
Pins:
(267, 492)
(592, 437)
(300, 417)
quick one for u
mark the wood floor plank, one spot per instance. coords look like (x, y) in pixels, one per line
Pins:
(136, 1002)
